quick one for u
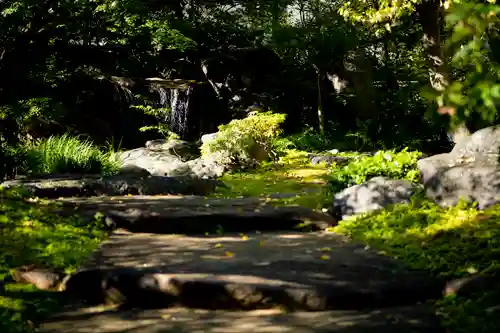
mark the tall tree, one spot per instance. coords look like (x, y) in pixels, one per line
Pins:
(385, 14)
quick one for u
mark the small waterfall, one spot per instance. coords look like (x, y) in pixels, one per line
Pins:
(179, 104)
(177, 101)
(164, 100)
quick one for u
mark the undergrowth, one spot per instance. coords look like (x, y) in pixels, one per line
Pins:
(33, 233)
(66, 154)
(449, 242)
(389, 163)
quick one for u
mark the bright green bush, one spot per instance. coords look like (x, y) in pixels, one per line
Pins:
(240, 141)
(67, 154)
(389, 163)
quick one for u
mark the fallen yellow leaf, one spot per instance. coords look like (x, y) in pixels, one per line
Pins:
(244, 237)
(326, 249)
(218, 245)
(325, 257)
(229, 254)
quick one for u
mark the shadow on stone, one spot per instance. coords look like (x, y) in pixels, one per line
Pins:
(281, 219)
(131, 288)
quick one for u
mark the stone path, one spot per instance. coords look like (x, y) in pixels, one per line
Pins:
(248, 281)
(182, 320)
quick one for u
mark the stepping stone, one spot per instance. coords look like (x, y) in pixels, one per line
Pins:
(198, 215)
(414, 319)
(296, 271)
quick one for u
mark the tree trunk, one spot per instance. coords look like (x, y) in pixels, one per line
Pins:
(430, 16)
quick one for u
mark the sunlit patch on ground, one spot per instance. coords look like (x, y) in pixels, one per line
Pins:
(293, 184)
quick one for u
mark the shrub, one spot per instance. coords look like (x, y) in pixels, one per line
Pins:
(401, 165)
(238, 142)
(310, 141)
(67, 154)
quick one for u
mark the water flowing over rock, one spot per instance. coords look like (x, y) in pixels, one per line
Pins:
(178, 101)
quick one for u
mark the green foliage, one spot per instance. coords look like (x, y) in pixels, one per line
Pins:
(474, 47)
(34, 233)
(391, 164)
(383, 13)
(161, 128)
(67, 154)
(243, 141)
(309, 140)
(450, 242)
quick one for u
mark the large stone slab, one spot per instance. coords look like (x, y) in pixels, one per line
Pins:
(195, 214)
(55, 186)
(414, 319)
(296, 271)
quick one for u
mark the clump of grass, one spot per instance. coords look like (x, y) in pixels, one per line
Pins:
(67, 154)
(34, 234)
(449, 242)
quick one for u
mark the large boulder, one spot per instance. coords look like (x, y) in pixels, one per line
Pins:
(183, 150)
(372, 195)
(470, 171)
(171, 158)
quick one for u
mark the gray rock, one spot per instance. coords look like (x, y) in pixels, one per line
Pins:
(183, 150)
(133, 170)
(470, 182)
(163, 163)
(158, 163)
(471, 171)
(120, 184)
(205, 168)
(372, 195)
(209, 137)
(483, 145)
(430, 166)
(328, 159)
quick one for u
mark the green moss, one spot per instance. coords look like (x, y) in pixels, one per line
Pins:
(290, 181)
(452, 242)
(33, 233)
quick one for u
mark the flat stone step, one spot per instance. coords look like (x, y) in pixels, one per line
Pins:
(198, 215)
(296, 271)
(414, 319)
